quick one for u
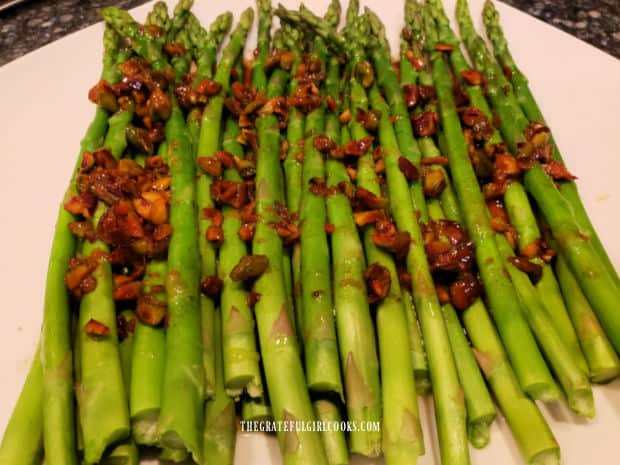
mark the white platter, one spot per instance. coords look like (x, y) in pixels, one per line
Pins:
(44, 112)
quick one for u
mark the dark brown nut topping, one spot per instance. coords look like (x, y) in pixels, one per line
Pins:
(96, 328)
(434, 182)
(378, 282)
(249, 267)
(128, 291)
(424, 124)
(464, 291)
(472, 77)
(408, 169)
(210, 165)
(211, 286)
(443, 47)
(533, 270)
(358, 147)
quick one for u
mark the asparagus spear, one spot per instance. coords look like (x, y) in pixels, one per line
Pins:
(317, 322)
(334, 442)
(288, 394)
(183, 384)
(530, 430)
(402, 433)
(220, 425)
(573, 380)
(104, 416)
(239, 351)
(148, 365)
(449, 403)
(205, 43)
(256, 410)
(283, 370)
(265, 16)
(320, 347)
(598, 284)
(517, 203)
(602, 359)
(416, 344)
(529, 105)
(353, 323)
(526, 359)
(208, 143)
(293, 166)
(126, 452)
(159, 17)
(379, 51)
(480, 408)
(22, 442)
(56, 354)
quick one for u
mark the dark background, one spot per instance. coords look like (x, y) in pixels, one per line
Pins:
(30, 25)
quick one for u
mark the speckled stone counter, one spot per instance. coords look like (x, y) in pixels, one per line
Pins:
(30, 25)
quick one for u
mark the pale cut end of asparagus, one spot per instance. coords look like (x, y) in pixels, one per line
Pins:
(581, 402)
(237, 386)
(604, 375)
(479, 432)
(173, 455)
(544, 392)
(145, 428)
(548, 457)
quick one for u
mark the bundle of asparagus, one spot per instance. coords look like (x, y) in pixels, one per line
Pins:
(315, 235)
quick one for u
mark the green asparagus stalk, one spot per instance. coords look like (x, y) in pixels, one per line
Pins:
(602, 359)
(598, 284)
(449, 403)
(416, 344)
(181, 415)
(402, 433)
(285, 378)
(149, 353)
(283, 370)
(179, 19)
(159, 17)
(241, 369)
(480, 409)
(22, 442)
(256, 410)
(573, 380)
(220, 422)
(531, 432)
(517, 202)
(524, 354)
(208, 143)
(145, 44)
(327, 410)
(529, 428)
(56, 354)
(126, 452)
(551, 296)
(529, 105)
(334, 442)
(292, 166)
(265, 16)
(386, 78)
(353, 323)
(104, 415)
(320, 347)
(206, 43)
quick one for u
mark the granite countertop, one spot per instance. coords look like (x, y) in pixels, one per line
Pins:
(594, 21)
